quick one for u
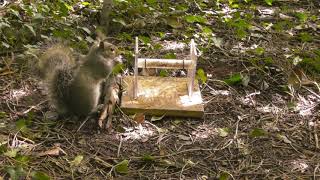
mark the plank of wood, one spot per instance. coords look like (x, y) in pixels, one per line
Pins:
(162, 95)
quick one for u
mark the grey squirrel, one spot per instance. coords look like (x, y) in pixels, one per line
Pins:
(75, 87)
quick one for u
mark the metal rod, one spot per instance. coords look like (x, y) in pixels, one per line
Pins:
(135, 79)
(164, 63)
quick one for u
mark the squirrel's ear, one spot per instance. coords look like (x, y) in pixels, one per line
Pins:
(100, 35)
(101, 45)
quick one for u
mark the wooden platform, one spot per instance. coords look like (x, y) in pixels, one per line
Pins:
(161, 95)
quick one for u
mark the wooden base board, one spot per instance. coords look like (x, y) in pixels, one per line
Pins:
(161, 96)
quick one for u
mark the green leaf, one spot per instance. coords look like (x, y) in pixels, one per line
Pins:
(21, 125)
(234, 79)
(89, 39)
(305, 37)
(259, 51)
(257, 132)
(85, 29)
(241, 33)
(31, 29)
(223, 132)
(146, 40)
(40, 176)
(85, 3)
(122, 167)
(119, 20)
(163, 73)
(170, 56)
(22, 159)
(224, 176)
(245, 80)
(15, 13)
(64, 8)
(5, 45)
(196, 19)
(269, 2)
(11, 153)
(77, 160)
(3, 24)
(3, 114)
(174, 22)
(148, 158)
(206, 31)
(303, 17)
(201, 75)
(3, 148)
(117, 69)
(16, 173)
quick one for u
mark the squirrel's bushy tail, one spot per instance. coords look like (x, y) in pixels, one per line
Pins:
(55, 58)
(55, 68)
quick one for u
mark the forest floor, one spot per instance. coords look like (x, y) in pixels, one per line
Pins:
(252, 131)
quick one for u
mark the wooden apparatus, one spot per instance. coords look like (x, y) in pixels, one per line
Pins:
(170, 96)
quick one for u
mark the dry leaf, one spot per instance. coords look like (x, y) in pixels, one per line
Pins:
(157, 118)
(55, 151)
(139, 118)
(183, 137)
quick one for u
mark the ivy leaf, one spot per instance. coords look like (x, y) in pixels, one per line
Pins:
(120, 20)
(21, 125)
(11, 153)
(22, 159)
(85, 3)
(31, 29)
(64, 8)
(305, 37)
(223, 132)
(85, 29)
(40, 176)
(269, 2)
(241, 33)
(77, 160)
(16, 173)
(117, 69)
(201, 75)
(196, 19)
(3, 24)
(174, 22)
(5, 45)
(301, 16)
(163, 73)
(146, 40)
(234, 79)
(245, 80)
(122, 167)
(224, 176)
(170, 56)
(259, 51)
(15, 13)
(148, 158)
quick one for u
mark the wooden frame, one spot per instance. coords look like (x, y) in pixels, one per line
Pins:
(163, 95)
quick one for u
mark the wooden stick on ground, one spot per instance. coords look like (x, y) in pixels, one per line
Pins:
(111, 98)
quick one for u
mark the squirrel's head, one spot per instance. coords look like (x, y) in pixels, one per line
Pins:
(103, 56)
(108, 49)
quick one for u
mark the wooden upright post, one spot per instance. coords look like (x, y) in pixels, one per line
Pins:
(135, 83)
(192, 69)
